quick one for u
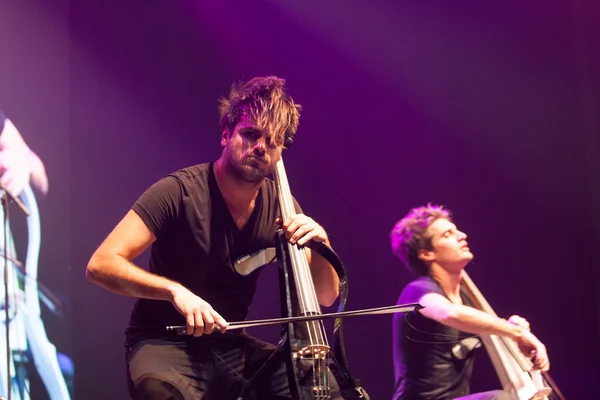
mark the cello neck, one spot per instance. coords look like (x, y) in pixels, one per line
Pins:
(307, 297)
(286, 203)
(475, 295)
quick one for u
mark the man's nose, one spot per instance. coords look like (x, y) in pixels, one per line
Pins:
(260, 147)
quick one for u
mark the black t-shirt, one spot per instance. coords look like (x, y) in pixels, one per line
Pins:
(197, 242)
(430, 363)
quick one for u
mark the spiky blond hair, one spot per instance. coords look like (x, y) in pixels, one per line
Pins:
(270, 107)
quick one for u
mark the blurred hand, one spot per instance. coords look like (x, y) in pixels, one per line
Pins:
(520, 321)
(531, 347)
(15, 169)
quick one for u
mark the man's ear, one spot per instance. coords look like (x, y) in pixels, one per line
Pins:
(225, 136)
(426, 255)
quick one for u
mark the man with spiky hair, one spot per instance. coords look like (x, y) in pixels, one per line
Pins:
(197, 221)
(433, 347)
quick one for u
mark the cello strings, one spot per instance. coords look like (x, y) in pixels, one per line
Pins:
(286, 211)
(301, 275)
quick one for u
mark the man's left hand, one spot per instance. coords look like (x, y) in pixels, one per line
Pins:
(301, 229)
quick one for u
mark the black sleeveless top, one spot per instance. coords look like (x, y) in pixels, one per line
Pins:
(430, 362)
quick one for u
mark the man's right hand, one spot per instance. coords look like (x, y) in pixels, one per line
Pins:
(200, 317)
(532, 347)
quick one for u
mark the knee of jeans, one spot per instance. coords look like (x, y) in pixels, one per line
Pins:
(152, 388)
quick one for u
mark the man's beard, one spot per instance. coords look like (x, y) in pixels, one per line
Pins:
(247, 170)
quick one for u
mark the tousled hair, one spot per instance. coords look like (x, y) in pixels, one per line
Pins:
(268, 104)
(409, 236)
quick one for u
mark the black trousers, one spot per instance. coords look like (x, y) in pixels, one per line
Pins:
(208, 370)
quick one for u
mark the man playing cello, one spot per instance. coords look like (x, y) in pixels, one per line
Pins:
(432, 356)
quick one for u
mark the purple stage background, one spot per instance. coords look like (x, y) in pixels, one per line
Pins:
(489, 109)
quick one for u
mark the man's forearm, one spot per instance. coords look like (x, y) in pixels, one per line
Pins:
(122, 277)
(471, 320)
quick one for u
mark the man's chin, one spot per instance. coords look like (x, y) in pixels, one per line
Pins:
(251, 175)
(468, 259)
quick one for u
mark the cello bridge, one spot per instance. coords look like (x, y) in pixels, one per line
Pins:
(315, 350)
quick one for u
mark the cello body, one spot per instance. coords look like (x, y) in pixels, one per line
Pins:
(513, 368)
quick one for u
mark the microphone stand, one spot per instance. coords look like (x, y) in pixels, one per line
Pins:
(6, 197)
